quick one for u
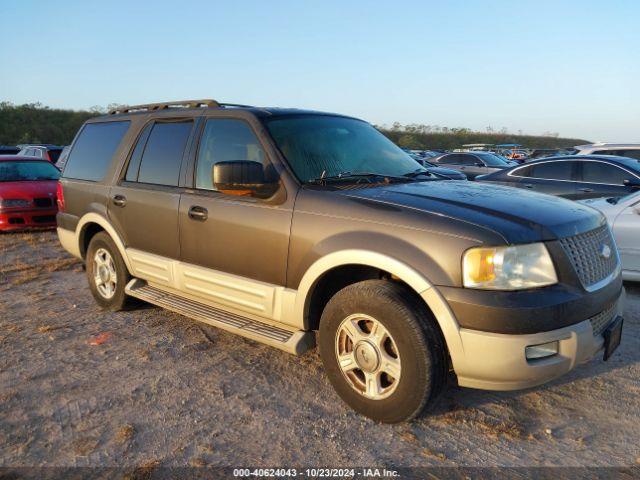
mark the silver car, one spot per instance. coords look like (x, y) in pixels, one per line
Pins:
(623, 216)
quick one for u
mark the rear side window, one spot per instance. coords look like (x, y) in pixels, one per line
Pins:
(468, 160)
(450, 159)
(521, 172)
(136, 156)
(553, 170)
(162, 157)
(632, 154)
(54, 155)
(91, 154)
(600, 172)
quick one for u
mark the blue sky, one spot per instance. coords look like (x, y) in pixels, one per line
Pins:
(563, 66)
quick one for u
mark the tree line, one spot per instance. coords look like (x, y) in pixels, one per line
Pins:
(424, 137)
(36, 123)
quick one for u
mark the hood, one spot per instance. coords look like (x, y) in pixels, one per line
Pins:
(447, 172)
(518, 216)
(28, 190)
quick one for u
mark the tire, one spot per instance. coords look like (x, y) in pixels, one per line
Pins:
(406, 342)
(114, 272)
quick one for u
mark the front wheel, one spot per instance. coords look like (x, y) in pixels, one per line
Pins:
(382, 351)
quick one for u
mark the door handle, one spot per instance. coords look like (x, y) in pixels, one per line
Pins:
(198, 213)
(119, 200)
(527, 185)
(586, 190)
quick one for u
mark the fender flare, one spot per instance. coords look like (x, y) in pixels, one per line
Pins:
(104, 223)
(416, 281)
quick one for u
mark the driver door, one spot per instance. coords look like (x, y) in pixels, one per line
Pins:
(233, 248)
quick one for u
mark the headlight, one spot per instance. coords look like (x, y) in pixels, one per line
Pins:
(14, 202)
(508, 268)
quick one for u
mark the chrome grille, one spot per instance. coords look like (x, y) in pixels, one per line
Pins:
(602, 320)
(585, 252)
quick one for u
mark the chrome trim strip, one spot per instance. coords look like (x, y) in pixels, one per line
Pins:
(511, 173)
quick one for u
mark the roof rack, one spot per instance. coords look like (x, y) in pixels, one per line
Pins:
(165, 105)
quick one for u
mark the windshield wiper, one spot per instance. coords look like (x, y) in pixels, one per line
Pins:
(347, 175)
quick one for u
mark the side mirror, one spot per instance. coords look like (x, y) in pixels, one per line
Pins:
(240, 177)
(633, 183)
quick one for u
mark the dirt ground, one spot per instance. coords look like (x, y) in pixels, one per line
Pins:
(162, 390)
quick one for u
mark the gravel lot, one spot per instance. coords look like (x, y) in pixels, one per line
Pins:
(163, 390)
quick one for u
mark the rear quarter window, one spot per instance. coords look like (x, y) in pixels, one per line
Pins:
(93, 150)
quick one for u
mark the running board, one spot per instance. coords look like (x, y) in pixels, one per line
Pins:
(292, 341)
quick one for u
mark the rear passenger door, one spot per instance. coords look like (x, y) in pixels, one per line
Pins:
(556, 177)
(602, 179)
(143, 206)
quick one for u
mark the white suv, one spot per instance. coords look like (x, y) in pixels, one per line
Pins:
(631, 150)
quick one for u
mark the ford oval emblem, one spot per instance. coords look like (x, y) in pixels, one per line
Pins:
(605, 251)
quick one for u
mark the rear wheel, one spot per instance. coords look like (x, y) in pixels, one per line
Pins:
(382, 351)
(107, 273)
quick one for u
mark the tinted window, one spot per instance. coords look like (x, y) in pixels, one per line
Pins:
(631, 154)
(450, 159)
(136, 156)
(162, 157)
(599, 172)
(553, 170)
(91, 154)
(222, 141)
(522, 172)
(27, 171)
(55, 154)
(468, 160)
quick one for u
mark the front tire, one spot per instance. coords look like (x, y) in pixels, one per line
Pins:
(107, 273)
(382, 351)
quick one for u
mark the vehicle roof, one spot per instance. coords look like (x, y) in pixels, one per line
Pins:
(39, 145)
(21, 158)
(257, 111)
(608, 145)
(626, 161)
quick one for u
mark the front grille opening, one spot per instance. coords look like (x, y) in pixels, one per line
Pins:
(585, 253)
(601, 321)
(16, 221)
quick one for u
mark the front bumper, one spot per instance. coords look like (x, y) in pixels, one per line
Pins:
(29, 218)
(496, 361)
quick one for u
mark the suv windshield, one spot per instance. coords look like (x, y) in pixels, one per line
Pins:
(25, 171)
(324, 146)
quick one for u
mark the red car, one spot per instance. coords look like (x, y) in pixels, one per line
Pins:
(27, 193)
